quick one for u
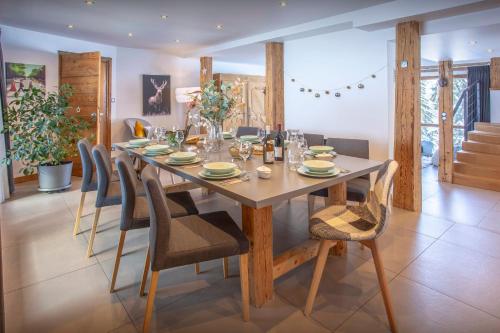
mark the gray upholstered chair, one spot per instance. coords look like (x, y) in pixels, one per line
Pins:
(135, 214)
(89, 179)
(246, 131)
(108, 191)
(358, 188)
(314, 139)
(355, 223)
(187, 240)
(130, 122)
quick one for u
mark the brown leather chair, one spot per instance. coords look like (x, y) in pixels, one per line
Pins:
(187, 240)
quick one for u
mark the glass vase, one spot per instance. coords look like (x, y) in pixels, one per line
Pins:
(215, 136)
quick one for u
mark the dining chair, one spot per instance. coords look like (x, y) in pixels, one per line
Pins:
(186, 240)
(358, 188)
(314, 139)
(242, 130)
(108, 191)
(356, 223)
(135, 213)
(89, 179)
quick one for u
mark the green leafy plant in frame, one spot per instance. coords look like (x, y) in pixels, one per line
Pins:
(42, 132)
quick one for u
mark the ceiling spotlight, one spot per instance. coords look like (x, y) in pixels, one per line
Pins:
(70, 26)
(473, 42)
(219, 27)
(164, 17)
(89, 2)
(177, 40)
(130, 34)
(490, 50)
(283, 3)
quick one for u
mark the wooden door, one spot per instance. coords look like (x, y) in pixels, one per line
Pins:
(104, 115)
(82, 71)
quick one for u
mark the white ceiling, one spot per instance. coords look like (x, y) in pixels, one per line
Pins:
(191, 21)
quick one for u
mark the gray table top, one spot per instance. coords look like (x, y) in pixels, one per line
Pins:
(257, 193)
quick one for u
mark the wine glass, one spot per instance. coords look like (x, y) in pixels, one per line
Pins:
(245, 151)
(157, 134)
(179, 137)
(261, 134)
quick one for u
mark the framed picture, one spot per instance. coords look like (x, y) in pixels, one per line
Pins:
(23, 76)
(155, 95)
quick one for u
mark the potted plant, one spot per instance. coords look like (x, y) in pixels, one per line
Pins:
(43, 135)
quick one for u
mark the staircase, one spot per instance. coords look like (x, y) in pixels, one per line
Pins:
(478, 164)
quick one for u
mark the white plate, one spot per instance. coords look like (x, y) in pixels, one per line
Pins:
(182, 156)
(304, 172)
(235, 173)
(219, 167)
(172, 162)
(320, 149)
(159, 153)
(155, 148)
(318, 165)
(128, 145)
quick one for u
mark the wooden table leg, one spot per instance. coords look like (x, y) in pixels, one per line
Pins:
(337, 195)
(258, 227)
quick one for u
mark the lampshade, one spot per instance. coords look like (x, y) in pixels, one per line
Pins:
(182, 95)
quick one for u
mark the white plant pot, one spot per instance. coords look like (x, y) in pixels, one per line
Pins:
(54, 178)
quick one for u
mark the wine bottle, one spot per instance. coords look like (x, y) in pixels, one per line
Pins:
(279, 146)
(268, 147)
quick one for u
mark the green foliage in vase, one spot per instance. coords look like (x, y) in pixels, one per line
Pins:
(40, 128)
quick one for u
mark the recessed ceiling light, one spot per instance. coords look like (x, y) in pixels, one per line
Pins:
(473, 42)
(219, 27)
(164, 17)
(283, 3)
(70, 26)
(89, 2)
(130, 34)
(177, 40)
(490, 50)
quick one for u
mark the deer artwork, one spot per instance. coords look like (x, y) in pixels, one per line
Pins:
(156, 100)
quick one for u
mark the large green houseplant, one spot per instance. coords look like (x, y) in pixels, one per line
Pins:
(43, 135)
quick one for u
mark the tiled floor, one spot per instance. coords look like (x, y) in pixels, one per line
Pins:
(443, 268)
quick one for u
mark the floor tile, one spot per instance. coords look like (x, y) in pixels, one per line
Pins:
(476, 239)
(75, 302)
(491, 221)
(460, 211)
(421, 223)
(419, 309)
(460, 273)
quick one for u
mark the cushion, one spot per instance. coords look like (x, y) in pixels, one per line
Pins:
(139, 130)
(198, 238)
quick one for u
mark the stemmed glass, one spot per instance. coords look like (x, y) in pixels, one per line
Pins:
(245, 151)
(157, 134)
(261, 133)
(179, 137)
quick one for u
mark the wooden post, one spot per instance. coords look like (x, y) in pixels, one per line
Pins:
(445, 116)
(275, 97)
(495, 74)
(205, 77)
(408, 182)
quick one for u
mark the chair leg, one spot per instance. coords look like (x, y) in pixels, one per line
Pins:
(149, 305)
(117, 260)
(172, 178)
(225, 267)
(197, 268)
(93, 231)
(79, 211)
(245, 293)
(324, 248)
(310, 204)
(145, 274)
(383, 284)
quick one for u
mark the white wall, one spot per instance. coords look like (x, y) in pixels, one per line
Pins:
(330, 61)
(495, 106)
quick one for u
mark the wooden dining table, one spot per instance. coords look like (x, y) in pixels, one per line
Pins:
(257, 197)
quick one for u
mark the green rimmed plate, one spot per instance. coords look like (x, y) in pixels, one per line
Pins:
(303, 171)
(234, 174)
(169, 161)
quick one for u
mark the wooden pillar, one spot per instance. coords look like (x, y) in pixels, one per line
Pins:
(495, 74)
(205, 77)
(275, 85)
(408, 182)
(445, 116)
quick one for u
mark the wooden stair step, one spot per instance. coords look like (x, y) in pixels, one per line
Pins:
(476, 170)
(484, 137)
(474, 181)
(480, 159)
(486, 127)
(481, 147)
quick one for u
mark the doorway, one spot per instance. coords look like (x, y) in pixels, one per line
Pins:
(104, 116)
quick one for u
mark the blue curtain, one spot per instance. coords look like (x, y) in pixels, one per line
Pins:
(478, 97)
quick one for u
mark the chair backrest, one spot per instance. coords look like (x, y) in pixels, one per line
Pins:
(85, 150)
(246, 131)
(314, 139)
(128, 185)
(104, 170)
(380, 198)
(130, 122)
(351, 147)
(159, 216)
